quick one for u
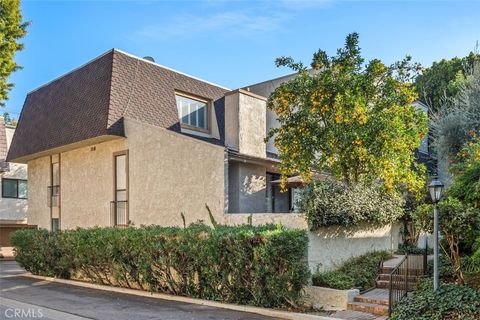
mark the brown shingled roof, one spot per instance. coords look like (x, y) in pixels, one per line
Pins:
(92, 101)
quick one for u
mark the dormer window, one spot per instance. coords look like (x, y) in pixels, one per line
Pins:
(193, 112)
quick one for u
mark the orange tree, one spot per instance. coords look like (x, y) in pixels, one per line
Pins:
(349, 118)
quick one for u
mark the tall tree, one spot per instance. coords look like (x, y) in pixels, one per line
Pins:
(443, 80)
(12, 29)
(457, 122)
(351, 119)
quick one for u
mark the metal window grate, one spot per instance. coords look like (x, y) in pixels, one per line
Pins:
(118, 213)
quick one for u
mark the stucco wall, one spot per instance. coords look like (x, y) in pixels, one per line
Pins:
(86, 184)
(38, 180)
(231, 120)
(247, 188)
(245, 123)
(252, 124)
(171, 174)
(328, 247)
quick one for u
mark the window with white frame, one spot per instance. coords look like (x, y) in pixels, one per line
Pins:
(193, 112)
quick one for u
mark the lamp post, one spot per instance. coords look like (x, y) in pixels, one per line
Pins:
(435, 187)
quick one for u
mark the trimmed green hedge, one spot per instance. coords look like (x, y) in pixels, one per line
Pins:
(356, 272)
(261, 266)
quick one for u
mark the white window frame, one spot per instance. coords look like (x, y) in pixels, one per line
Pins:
(207, 111)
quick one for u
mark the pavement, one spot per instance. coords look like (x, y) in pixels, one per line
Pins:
(28, 298)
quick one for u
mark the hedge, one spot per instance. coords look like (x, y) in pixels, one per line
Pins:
(261, 266)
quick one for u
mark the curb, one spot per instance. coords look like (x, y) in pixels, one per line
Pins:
(235, 307)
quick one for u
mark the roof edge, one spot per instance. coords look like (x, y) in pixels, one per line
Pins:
(170, 69)
(71, 71)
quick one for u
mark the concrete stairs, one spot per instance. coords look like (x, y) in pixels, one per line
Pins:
(374, 302)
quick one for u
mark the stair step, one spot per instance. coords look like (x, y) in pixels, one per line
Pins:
(372, 300)
(411, 272)
(385, 284)
(385, 276)
(376, 309)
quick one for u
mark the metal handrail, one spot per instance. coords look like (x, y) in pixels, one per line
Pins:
(399, 281)
(398, 286)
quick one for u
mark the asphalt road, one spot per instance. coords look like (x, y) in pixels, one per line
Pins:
(25, 298)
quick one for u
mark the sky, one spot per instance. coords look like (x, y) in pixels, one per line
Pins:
(235, 43)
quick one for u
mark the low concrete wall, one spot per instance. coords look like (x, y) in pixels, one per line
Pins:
(328, 299)
(328, 247)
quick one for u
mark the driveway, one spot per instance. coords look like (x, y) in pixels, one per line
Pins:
(25, 298)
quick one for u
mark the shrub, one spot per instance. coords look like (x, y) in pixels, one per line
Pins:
(357, 272)
(329, 202)
(452, 302)
(412, 249)
(262, 266)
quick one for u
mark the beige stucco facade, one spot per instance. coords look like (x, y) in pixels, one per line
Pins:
(169, 174)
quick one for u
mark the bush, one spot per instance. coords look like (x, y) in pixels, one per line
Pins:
(262, 266)
(332, 203)
(357, 272)
(412, 249)
(452, 302)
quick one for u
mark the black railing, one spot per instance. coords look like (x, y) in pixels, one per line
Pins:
(403, 277)
(398, 286)
(53, 196)
(119, 213)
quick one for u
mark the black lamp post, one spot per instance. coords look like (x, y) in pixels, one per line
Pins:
(435, 187)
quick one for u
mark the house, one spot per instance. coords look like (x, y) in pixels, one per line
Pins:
(123, 140)
(13, 201)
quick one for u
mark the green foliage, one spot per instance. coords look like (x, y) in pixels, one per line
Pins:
(452, 302)
(443, 80)
(457, 121)
(12, 29)
(329, 203)
(411, 249)
(460, 223)
(466, 185)
(350, 119)
(357, 272)
(262, 266)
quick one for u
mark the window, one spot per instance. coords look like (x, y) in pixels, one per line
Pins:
(119, 207)
(193, 112)
(14, 188)
(277, 201)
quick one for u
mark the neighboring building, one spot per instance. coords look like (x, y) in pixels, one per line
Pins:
(124, 140)
(13, 201)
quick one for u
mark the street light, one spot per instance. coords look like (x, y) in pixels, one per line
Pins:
(436, 188)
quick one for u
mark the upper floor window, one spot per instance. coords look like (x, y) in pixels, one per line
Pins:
(193, 112)
(14, 188)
